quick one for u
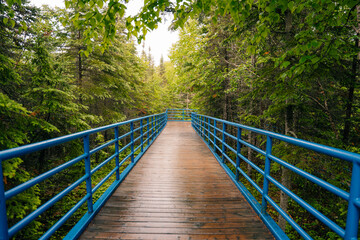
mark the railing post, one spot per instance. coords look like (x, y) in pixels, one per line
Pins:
(352, 219)
(267, 174)
(152, 128)
(132, 141)
(208, 130)
(156, 125)
(238, 152)
(148, 130)
(88, 173)
(166, 114)
(142, 135)
(117, 152)
(191, 118)
(223, 141)
(3, 217)
(215, 132)
(183, 117)
(202, 127)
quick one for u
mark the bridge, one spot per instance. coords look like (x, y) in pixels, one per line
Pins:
(179, 175)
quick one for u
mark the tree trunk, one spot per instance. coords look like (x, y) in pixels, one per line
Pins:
(79, 63)
(251, 138)
(289, 115)
(351, 89)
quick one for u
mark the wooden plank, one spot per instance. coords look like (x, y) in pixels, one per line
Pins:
(177, 191)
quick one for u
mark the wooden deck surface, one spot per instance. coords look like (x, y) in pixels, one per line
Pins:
(177, 191)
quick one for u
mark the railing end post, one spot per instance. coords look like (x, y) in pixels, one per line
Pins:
(4, 234)
(352, 219)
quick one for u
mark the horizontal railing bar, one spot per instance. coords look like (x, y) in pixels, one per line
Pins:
(309, 208)
(185, 109)
(137, 129)
(64, 218)
(318, 181)
(103, 163)
(29, 218)
(229, 147)
(218, 148)
(330, 151)
(137, 148)
(26, 185)
(137, 139)
(229, 159)
(296, 226)
(231, 136)
(104, 180)
(202, 124)
(256, 167)
(252, 147)
(124, 135)
(250, 181)
(102, 146)
(125, 147)
(158, 122)
(357, 202)
(22, 150)
(124, 160)
(179, 114)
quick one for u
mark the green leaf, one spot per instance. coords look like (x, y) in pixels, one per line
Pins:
(315, 59)
(303, 59)
(100, 3)
(67, 3)
(291, 6)
(12, 23)
(285, 64)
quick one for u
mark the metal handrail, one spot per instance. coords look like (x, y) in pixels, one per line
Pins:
(207, 129)
(179, 114)
(148, 132)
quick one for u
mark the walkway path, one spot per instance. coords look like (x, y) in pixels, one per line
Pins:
(177, 191)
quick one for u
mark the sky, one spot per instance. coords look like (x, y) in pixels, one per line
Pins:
(160, 40)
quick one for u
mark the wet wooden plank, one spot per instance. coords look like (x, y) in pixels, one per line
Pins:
(177, 191)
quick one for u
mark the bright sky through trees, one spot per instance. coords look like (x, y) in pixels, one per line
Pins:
(159, 40)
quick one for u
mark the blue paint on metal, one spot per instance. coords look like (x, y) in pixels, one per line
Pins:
(238, 153)
(132, 141)
(3, 217)
(352, 221)
(208, 132)
(153, 129)
(88, 173)
(179, 114)
(142, 135)
(266, 174)
(353, 197)
(223, 142)
(117, 159)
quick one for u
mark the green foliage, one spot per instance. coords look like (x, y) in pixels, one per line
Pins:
(285, 66)
(273, 65)
(55, 82)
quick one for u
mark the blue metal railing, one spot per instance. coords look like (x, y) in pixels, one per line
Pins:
(208, 130)
(149, 128)
(179, 114)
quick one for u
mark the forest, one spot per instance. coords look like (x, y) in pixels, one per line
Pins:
(291, 67)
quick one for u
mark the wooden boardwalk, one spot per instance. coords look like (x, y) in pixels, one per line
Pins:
(177, 191)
